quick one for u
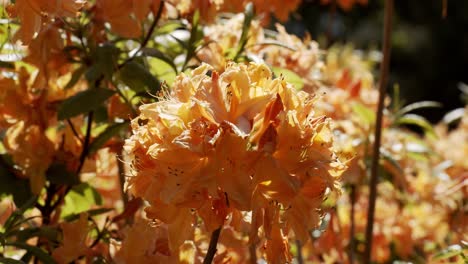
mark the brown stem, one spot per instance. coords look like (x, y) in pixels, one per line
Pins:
(153, 25)
(75, 132)
(84, 153)
(212, 247)
(352, 242)
(444, 8)
(300, 259)
(384, 68)
(87, 139)
(148, 35)
(253, 253)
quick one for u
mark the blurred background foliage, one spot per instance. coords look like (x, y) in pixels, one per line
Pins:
(429, 58)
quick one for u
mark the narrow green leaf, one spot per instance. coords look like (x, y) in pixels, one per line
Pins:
(366, 114)
(7, 64)
(463, 87)
(418, 105)
(75, 77)
(12, 185)
(160, 55)
(90, 213)
(449, 252)
(274, 43)
(289, 76)
(83, 102)
(80, 199)
(18, 213)
(107, 134)
(137, 78)
(248, 17)
(388, 157)
(195, 35)
(92, 74)
(39, 253)
(162, 70)
(419, 121)
(168, 27)
(10, 261)
(454, 116)
(48, 232)
(106, 59)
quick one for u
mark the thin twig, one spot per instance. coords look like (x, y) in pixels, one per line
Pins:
(212, 247)
(253, 253)
(384, 69)
(444, 8)
(87, 140)
(148, 35)
(352, 241)
(84, 153)
(300, 259)
(75, 132)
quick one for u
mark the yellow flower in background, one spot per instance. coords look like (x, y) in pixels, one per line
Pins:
(240, 141)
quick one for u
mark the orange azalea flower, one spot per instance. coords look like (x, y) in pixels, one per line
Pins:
(143, 243)
(346, 5)
(74, 240)
(33, 14)
(31, 150)
(249, 143)
(125, 16)
(210, 8)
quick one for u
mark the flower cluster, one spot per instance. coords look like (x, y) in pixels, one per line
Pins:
(236, 128)
(216, 147)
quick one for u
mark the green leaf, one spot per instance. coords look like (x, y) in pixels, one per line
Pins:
(388, 157)
(59, 174)
(39, 253)
(162, 70)
(48, 232)
(110, 131)
(248, 17)
(364, 113)
(90, 213)
(418, 105)
(274, 43)
(419, 121)
(289, 76)
(168, 27)
(451, 251)
(10, 261)
(75, 77)
(100, 115)
(7, 64)
(155, 53)
(92, 74)
(398, 179)
(137, 77)
(106, 59)
(12, 185)
(80, 199)
(83, 102)
(196, 34)
(18, 213)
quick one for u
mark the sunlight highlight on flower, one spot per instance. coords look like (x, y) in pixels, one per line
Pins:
(220, 144)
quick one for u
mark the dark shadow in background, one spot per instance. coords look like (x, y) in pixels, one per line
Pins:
(429, 52)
